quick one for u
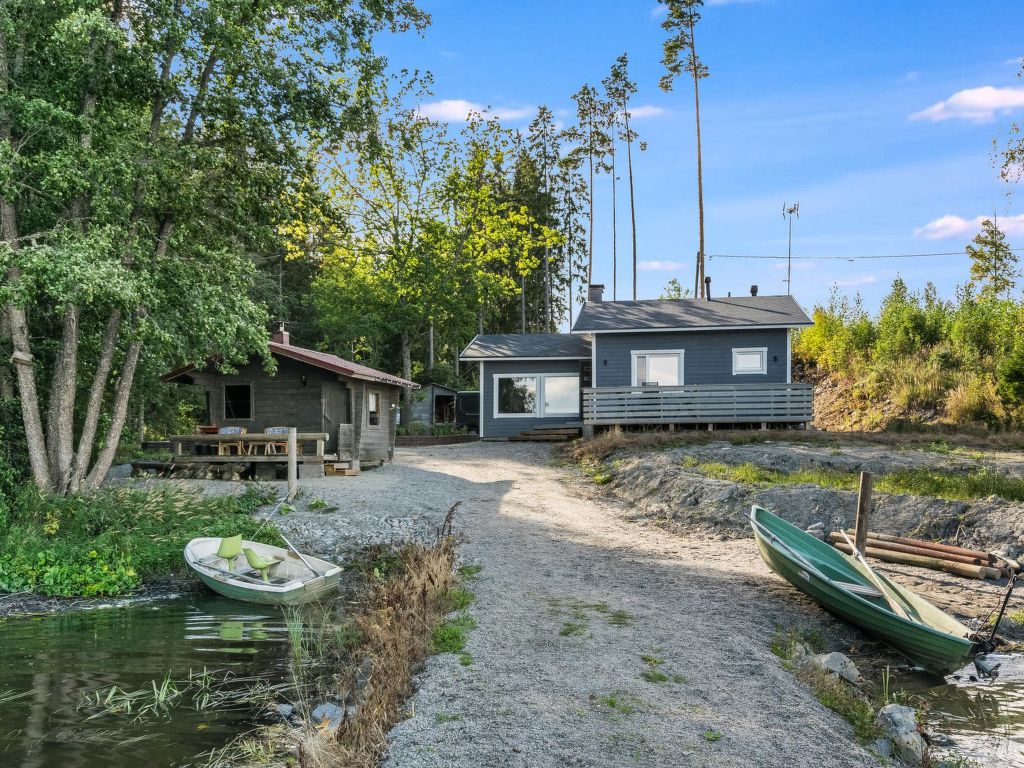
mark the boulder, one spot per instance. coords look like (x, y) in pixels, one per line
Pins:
(899, 725)
(328, 715)
(838, 664)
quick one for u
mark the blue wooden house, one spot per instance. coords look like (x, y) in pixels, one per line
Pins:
(665, 361)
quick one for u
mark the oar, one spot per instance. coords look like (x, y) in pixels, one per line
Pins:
(291, 546)
(895, 606)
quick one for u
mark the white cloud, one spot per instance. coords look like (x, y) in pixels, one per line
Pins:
(658, 11)
(956, 226)
(458, 110)
(1016, 61)
(912, 76)
(732, 2)
(853, 282)
(659, 266)
(448, 54)
(646, 110)
(979, 105)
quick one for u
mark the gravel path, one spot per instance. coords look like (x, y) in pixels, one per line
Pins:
(555, 559)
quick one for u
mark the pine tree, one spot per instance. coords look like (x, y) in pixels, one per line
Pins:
(592, 143)
(993, 263)
(619, 88)
(680, 55)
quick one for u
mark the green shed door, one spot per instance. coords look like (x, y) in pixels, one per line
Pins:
(335, 411)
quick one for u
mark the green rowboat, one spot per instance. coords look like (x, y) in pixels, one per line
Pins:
(290, 578)
(924, 634)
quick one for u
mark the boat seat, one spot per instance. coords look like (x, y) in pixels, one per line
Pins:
(230, 548)
(259, 563)
(859, 589)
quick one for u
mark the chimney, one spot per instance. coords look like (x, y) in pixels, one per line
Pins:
(280, 335)
(753, 290)
(707, 288)
(596, 292)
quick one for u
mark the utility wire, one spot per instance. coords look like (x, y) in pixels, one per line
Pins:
(845, 258)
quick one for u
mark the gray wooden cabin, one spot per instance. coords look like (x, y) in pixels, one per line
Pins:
(657, 362)
(313, 391)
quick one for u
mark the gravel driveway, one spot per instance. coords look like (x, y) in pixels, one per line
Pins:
(557, 561)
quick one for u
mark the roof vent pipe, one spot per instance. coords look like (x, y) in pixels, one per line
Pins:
(707, 288)
(753, 290)
(596, 293)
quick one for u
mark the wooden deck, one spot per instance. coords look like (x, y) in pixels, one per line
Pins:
(700, 404)
(256, 447)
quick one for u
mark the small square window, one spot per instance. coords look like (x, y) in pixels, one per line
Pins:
(373, 409)
(238, 401)
(753, 360)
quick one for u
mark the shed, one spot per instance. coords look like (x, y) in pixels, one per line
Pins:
(434, 404)
(355, 405)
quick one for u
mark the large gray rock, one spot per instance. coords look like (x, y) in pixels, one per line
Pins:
(899, 725)
(838, 664)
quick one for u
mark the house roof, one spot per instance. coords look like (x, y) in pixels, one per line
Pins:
(322, 360)
(526, 346)
(690, 314)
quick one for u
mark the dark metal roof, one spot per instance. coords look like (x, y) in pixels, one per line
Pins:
(322, 360)
(690, 314)
(524, 346)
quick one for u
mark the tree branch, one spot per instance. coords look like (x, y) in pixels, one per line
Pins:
(117, 419)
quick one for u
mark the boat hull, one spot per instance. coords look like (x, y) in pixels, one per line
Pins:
(295, 583)
(937, 651)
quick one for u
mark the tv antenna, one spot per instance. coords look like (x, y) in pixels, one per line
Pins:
(788, 212)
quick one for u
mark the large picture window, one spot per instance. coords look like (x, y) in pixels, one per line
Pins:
(658, 368)
(749, 360)
(517, 395)
(537, 395)
(238, 401)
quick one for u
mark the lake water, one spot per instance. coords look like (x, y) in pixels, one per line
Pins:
(50, 664)
(985, 719)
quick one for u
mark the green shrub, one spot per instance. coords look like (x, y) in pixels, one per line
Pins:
(974, 399)
(109, 542)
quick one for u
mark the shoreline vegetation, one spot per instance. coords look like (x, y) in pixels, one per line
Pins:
(353, 658)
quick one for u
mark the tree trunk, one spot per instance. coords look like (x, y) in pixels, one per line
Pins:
(407, 375)
(118, 416)
(615, 234)
(60, 417)
(6, 377)
(700, 173)
(430, 346)
(590, 223)
(522, 304)
(632, 202)
(24, 362)
(95, 403)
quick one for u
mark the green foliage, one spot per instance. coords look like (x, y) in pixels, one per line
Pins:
(572, 628)
(976, 484)
(962, 360)
(109, 542)
(713, 736)
(842, 698)
(993, 262)
(450, 635)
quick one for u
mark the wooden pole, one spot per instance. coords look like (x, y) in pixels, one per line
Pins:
(873, 543)
(293, 463)
(933, 563)
(934, 545)
(863, 512)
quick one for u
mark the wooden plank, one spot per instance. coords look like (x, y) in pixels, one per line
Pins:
(860, 536)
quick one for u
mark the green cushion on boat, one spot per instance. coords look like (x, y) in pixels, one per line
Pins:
(230, 547)
(256, 561)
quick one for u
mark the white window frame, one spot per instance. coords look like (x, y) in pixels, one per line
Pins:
(763, 371)
(545, 413)
(539, 412)
(635, 353)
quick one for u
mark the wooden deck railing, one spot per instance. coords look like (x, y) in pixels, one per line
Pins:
(247, 447)
(699, 404)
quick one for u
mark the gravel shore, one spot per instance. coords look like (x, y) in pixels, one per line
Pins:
(570, 598)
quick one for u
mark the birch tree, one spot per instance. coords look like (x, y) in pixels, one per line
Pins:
(148, 149)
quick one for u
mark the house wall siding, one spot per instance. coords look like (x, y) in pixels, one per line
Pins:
(508, 427)
(283, 400)
(707, 359)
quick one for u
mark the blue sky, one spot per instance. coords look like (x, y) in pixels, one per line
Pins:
(878, 117)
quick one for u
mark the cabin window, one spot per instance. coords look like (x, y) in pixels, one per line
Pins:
(561, 395)
(373, 409)
(516, 395)
(749, 360)
(538, 395)
(657, 368)
(238, 401)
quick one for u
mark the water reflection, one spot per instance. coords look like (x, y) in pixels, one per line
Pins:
(984, 719)
(49, 664)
